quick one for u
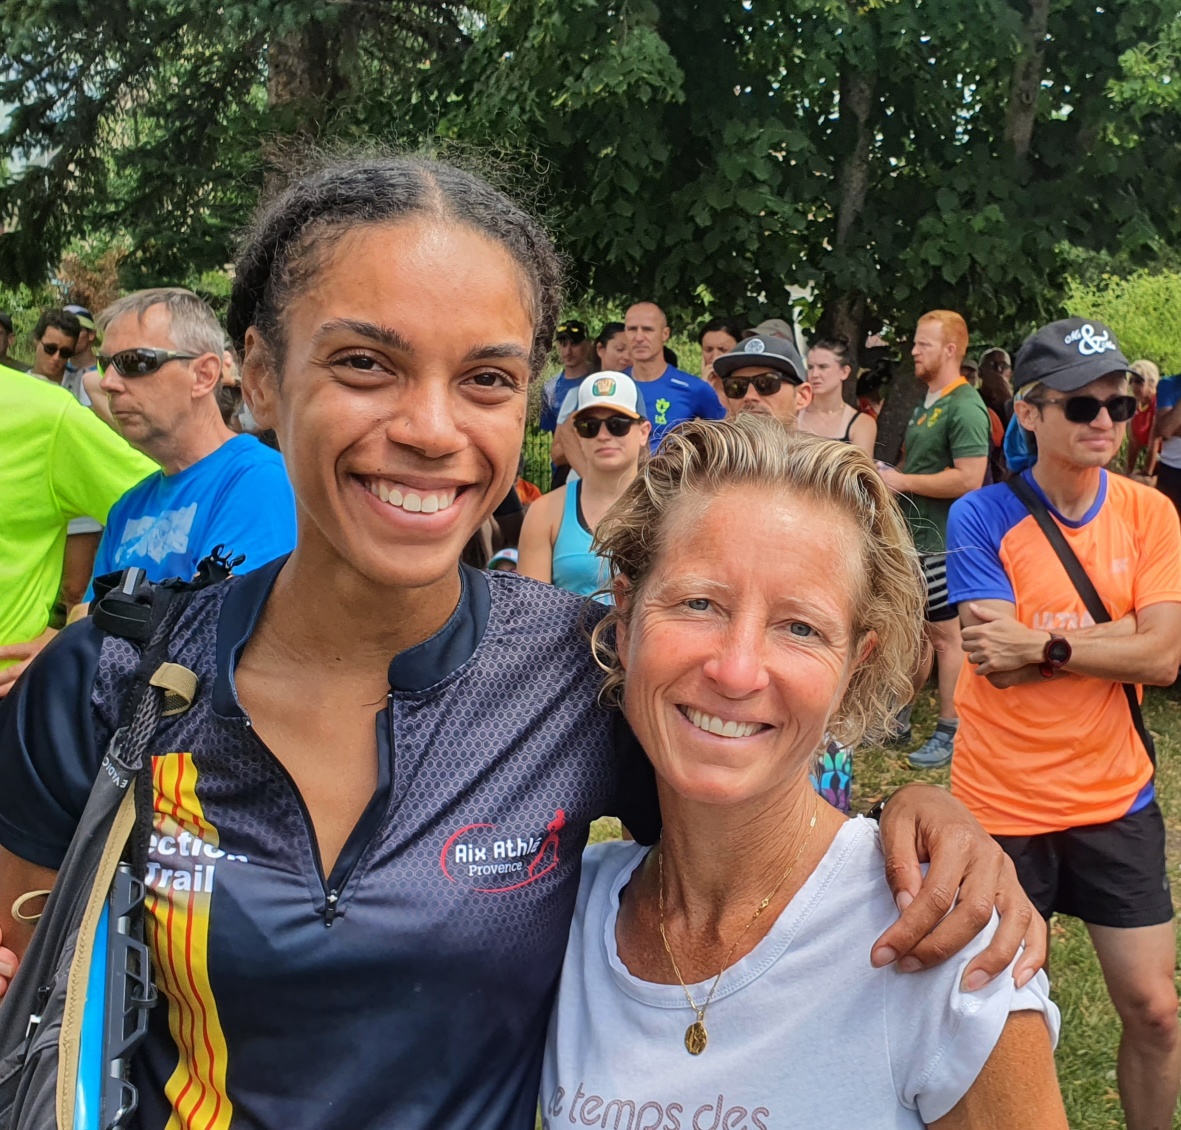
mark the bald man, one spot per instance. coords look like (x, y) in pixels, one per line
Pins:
(671, 394)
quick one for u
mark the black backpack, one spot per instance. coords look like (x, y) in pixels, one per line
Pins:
(74, 1015)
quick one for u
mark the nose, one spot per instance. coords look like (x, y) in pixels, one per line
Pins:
(110, 380)
(425, 420)
(1103, 420)
(738, 667)
(751, 393)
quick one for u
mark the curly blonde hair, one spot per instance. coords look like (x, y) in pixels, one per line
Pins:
(701, 458)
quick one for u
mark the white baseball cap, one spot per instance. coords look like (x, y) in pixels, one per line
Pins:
(611, 390)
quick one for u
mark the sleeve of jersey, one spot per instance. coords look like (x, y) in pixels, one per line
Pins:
(969, 430)
(709, 406)
(50, 748)
(255, 515)
(975, 529)
(1158, 570)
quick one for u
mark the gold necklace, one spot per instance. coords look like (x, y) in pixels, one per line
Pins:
(696, 1036)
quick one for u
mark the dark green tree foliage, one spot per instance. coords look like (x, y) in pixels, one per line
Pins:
(159, 120)
(895, 156)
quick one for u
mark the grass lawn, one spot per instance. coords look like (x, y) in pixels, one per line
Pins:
(1090, 1028)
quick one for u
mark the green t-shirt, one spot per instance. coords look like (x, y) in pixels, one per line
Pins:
(58, 461)
(954, 427)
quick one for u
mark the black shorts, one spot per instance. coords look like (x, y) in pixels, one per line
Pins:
(934, 567)
(1168, 482)
(1106, 874)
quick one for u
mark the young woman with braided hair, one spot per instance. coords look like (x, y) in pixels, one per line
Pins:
(369, 825)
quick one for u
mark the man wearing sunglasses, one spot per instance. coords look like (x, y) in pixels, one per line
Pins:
(55, 338)
(160, 366)
(764, 374)
(1048, 756)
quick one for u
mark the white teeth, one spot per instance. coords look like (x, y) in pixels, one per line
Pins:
(414, 503)
(713, 725)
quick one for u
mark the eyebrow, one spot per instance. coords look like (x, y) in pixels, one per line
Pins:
(504, 351)
(384, 335)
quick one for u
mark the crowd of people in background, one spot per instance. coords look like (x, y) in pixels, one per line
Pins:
(125, 442)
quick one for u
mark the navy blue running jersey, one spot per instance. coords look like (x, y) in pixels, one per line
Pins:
(410, 988)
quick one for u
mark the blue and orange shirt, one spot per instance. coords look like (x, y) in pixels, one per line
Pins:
(1042, 757)
(411, 987)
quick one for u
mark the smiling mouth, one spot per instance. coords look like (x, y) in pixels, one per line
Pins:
(711, 724)
(413, 500)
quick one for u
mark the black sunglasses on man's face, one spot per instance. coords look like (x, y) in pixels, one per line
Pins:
(140, 362)
(766, 384)
(1085, 409)
(52, 350)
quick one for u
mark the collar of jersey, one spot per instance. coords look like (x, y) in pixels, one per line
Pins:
(1072, 523)
(415, 669)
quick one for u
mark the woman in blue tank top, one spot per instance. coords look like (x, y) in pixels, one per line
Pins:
(558, 535)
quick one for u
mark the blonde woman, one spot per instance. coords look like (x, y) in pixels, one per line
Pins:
(719, 978)
(1142, 384)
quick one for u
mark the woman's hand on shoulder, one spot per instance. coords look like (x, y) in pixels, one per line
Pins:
(969, 875)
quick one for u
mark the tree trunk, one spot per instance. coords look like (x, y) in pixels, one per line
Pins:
(902, 394)
(308, 70)
(1027, 79)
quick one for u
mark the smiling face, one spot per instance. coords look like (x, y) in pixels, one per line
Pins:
(825, 371)
(740, 645)
(1076, 445)
(401, 406)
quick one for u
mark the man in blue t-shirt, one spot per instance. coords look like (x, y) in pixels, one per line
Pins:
(670, 394)
(161, 367)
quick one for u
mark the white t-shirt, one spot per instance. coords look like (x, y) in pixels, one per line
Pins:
(802, 1031)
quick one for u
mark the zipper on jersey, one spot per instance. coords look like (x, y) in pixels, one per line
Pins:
(358, 839)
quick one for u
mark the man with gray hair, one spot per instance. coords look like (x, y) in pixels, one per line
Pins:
(161, 363)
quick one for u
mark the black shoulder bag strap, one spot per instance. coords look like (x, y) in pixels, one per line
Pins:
(1083, 585)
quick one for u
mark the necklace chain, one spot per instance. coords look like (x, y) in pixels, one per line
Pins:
(695, 1036)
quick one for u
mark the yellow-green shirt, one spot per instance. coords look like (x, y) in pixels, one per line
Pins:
(58, 461)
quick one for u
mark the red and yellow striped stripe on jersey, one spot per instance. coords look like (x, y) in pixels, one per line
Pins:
(178, 916)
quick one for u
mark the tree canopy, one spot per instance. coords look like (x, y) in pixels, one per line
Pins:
(885, 156)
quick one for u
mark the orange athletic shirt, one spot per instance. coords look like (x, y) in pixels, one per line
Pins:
(1064, 753)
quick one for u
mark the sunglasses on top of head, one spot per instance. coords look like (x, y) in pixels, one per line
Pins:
(140, 362)
(1085, 409)
(766, 384)
(618, 426)
(53, 350)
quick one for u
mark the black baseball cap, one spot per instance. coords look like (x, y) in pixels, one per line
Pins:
(1068, 354)
(573, 330)
(6, 322)
(774, 352)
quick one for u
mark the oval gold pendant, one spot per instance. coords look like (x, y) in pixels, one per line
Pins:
(695, 1038)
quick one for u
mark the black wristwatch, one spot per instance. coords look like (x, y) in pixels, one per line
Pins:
(1056, 654)
(875, 813)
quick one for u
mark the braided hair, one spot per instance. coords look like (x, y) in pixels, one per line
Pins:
(284, 246)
